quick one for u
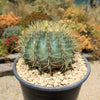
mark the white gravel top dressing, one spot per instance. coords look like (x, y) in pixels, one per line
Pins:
(58, 79)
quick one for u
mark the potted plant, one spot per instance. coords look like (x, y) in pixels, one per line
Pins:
(50, 67)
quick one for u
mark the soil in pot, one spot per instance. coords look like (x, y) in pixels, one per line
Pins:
(58, 79)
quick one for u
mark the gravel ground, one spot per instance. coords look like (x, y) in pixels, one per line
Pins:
(10, 88)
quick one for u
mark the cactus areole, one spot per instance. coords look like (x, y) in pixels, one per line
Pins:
(49, 48)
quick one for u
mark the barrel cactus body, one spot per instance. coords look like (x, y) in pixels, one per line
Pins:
(48, 47)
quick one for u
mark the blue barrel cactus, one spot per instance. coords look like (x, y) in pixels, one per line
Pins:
(48, 46)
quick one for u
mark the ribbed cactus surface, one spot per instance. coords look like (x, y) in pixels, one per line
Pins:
(47, 49)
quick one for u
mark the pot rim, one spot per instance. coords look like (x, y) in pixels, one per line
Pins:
(63, 88)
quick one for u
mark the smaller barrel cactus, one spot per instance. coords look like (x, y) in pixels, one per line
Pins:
(11, 31)
(48, 46)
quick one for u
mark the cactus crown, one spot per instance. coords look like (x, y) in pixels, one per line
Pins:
(47, 46)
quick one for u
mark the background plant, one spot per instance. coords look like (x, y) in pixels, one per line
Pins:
(1, 31)
(96, 48)
(20, 8)
(34, 16)
(2, 4)
(53, 8)
(8, 20)
(11, 43)
(80, 31)
(85, 29)
(23, 7)
(3, 48)
(84, 42)
(76, 15)
(11, 31)
(95, 41)
(77, 20)
(94, 15)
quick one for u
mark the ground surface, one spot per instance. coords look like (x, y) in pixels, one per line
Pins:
(10, 88)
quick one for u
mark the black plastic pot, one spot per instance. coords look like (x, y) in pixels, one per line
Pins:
(35, 92)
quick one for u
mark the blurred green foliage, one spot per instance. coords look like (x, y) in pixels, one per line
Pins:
(3, 48)
(2, 4)
(11, 31)
(53, 8)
